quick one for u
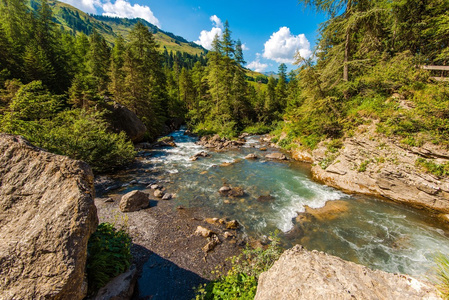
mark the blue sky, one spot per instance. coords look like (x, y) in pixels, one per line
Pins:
(270, 30)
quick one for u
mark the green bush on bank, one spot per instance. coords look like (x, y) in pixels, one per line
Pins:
(240, 282)
(38, 115)
(108, 255)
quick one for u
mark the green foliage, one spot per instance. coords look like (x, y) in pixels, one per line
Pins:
(363, 165)
(257, 128)
(108, 255)
(241, 281)
(442, 275)
(440, 170)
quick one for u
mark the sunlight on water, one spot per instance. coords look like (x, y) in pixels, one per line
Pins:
(369, 231)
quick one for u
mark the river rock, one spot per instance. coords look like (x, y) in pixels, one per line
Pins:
(47, 215)
(236, 192)
(158, 194)
(302, 274)
(232, 225)
(119, 288)
(330, 211)
(252, 156)
(224, 189)
(265, 198)
(213, 242)
(134, 201)
(204, 232)
(167, 196)
(155, 187)
(122, 119)
(276, 156)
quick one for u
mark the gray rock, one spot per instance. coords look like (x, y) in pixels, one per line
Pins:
(224, 189)
(301, 274)
(119, 288)
(252, 156)
(134, 201)
(47, 215)
(276, 156)
(158, 194)
(155, 187)
(167, 196)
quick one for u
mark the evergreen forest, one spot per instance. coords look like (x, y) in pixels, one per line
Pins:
(57, 84)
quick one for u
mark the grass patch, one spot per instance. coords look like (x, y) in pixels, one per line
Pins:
(363, 165)
(440, 170)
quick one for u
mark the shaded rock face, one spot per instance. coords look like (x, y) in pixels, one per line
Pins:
(302, 274)
(122, 119)
(370, 163)
(47, 215)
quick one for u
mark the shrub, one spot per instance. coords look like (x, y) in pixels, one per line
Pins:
(241, 281)
(442, 275)
(108, 255)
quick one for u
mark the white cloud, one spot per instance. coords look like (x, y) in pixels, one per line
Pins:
(282, 46)
(206, 37)
(256, 65)
(88, 6)
(244, 47)
(120, 8)
(123, 9)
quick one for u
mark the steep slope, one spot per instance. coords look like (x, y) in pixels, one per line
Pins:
(75, 21)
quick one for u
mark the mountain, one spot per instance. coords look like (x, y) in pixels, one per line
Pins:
(76, 21)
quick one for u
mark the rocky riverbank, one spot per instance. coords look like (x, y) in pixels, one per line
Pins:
(372, 164)
(171, 255)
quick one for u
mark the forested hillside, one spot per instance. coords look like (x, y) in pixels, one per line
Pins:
(58, 82)
(57, 87)
(366, 67)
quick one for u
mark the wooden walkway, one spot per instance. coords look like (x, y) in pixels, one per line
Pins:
(437, 68)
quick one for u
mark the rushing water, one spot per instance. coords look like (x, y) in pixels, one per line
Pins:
(370, 231)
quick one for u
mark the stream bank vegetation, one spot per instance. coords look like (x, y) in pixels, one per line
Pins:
(240, 282)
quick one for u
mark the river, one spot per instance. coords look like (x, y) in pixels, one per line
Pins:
(374, 232)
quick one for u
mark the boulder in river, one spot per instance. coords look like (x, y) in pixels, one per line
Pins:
(301, 274)
(134, 201)
(47, 214)
(232, 224)
(265, 198)
(236, 192)
(276, 156)
(331, 210)
(252, 156)
(224, 189)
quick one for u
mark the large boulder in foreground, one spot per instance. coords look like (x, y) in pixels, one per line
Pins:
(122, 119)
(47, 215)
(302, 274)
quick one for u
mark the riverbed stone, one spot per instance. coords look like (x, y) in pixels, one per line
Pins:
(252, 156)
(158, 194)
(167, 196)
(276, 156)
(301, 274)
(119, 288)
(224, 189)
(203, 231)
(134, 201)
(233, 224)
(236, 192)
(47, 214)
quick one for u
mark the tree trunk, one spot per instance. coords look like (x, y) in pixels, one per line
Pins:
(346, 59)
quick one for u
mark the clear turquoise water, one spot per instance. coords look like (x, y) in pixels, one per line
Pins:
(373, 232)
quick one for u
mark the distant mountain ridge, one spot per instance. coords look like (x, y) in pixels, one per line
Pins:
(76, 21)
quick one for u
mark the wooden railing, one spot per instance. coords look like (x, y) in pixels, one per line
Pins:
(437, 68)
